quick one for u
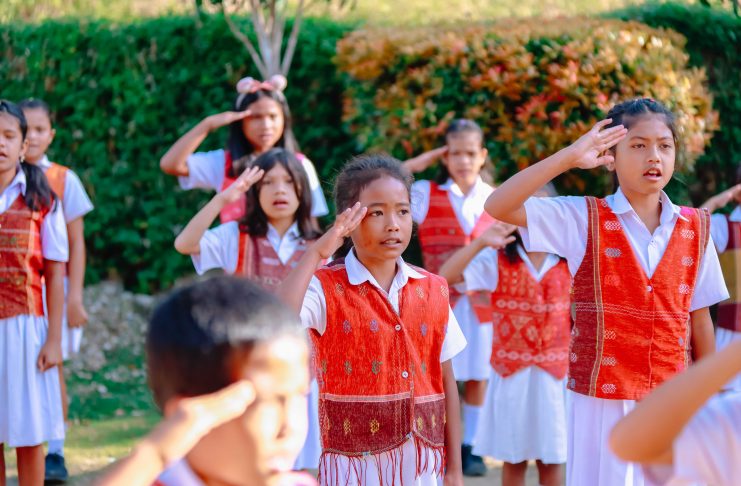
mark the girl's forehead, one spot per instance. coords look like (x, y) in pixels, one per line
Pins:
(464, 140)
(385, 189)
(653, 126)
(9, 122)
(277, 171)
(264, 105)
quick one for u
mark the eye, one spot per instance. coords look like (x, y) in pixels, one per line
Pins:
(638, 145)
(667, 146)
(376, 213)
(404, 212)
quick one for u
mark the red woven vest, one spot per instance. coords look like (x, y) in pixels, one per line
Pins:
(21, 261)
(531, 319)
(632, 332)
(57, 175)
(379, 372)
(258, 261)
(441, 235)
(729, 311)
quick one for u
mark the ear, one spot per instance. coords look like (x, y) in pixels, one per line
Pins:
(53, 134)
(24, 148)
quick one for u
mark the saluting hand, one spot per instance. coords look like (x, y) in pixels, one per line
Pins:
(590, 150)
(243, 183)
(226, 118)
(344, 224)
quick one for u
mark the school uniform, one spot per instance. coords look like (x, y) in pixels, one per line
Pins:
(635, 333)
(378, 358)
(211, 170)
(447, 221)
(708, 450)
(30, 400)
(76, 204)
(726, 231)
(524, 412)
(179, 473)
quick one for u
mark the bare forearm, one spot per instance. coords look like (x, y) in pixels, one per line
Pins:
(76, 267)
(188, 241)
(140, 468)
(54, 288)
(453, 423)
(174, 162)
(703, 334)
(452, 269)
(293, 288)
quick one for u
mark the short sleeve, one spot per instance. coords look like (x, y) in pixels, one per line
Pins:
(420, 200)
(76, 201)
(710, 288)
(54, 245)
(314, 308)
(557, 225)
(205, 171)
(454, 341)
(219, 249)
(482, 273)
(719, 231)
(318, 201)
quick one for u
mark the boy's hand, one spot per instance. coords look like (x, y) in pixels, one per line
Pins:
(219, 120)
(49, 356)
(346, 222)
(243, 183)
(590, 150)
(76, 313)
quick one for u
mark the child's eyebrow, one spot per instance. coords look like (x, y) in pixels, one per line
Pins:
(649, 138)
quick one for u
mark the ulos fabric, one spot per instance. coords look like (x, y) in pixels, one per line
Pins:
(523, 418)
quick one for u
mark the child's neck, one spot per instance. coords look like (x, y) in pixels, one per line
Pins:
(34, 161)
(281, 225)
(6, 178)
(465, 186)
(537, 258)
(382, 269)
(647, 207)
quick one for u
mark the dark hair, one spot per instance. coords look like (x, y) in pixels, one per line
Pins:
(36, 104)
(359, 173)
(456, 127)
(240, 149)
(39, 195)
(201, 334)
(628, 112)
(255, 221)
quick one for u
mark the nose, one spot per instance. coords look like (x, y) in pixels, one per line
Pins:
(653, 154)
(392, 222)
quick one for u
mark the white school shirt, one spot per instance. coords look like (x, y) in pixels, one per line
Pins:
(708, 450)
(220, 246)
(76, 201)
(467, 207)
(314, 309)
(53, 227)
(482, 273)
(206, 171)
(719, 228)
(559, 225)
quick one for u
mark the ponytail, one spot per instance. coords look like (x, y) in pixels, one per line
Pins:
(39, 195)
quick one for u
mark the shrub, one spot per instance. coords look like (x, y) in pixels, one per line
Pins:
(124, 93)
(533, 85)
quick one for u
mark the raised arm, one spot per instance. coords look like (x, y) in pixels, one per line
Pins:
(175, 160)
(294, 286)
(719, 200)
(188, 241)
(648, 433)
(424, 160)
(497, 236)
(507, 202)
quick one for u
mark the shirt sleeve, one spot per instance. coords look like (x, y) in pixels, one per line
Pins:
(557, 225)
(482, 273)
(54, 244)
(76, 201)
(454, 341)
(205, 171)
(318, 202)
(219, 249)
(314, 308)
(719, 231)
(420, 200)
(710, 288)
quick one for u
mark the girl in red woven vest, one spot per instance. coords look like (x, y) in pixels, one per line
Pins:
(76, 204)
(525, 295)
(450, 214)
(33, 242)
(645, 273)
(260, 121)
(726, 233)
(383, 337)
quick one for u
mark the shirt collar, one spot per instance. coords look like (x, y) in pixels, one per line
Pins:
(357, 273)
(621, 205)
(19, 180)
(292, 232)
(451, 186)
(44, 163)
(735, 215)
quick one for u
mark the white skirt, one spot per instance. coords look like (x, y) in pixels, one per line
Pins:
(590, 460)
(724, 337)
(30, 400)
(71, 337)
(524, 418)
(308, 458)
(473, 362)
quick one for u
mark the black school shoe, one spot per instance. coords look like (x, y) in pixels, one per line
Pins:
(56, 471)
(473, 466)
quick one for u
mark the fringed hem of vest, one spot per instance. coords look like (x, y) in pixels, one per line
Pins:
(357, 465)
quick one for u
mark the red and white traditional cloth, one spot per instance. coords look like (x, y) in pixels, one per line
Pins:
(378, 356)
(448, 219)
(562, 226)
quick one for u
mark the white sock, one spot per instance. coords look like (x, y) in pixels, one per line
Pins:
(471, 414)
(56, 447)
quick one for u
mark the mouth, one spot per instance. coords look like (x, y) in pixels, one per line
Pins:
(653, 174)
(391, 243)
(280, 203)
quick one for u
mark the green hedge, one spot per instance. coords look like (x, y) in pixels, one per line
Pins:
(714, 42)
(124, 93)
